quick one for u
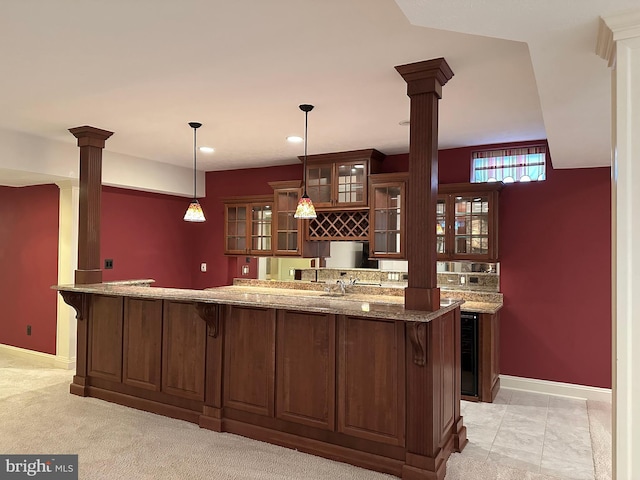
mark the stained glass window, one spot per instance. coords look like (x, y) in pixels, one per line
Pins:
(509, 165)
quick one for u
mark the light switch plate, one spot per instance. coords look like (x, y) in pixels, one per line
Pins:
(203, 267)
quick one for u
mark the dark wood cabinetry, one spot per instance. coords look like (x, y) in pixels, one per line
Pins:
(248, 225)
(467, 222)
(387, 215)
(378, 392)
(339, 180)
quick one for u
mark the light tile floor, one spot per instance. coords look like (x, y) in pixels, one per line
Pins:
(530, 431)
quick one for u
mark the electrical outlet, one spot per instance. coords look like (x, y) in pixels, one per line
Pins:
(108, 263)
(28, 329)
(203, 267)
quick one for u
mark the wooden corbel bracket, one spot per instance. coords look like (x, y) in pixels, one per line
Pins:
(418, 337)
(209, 313)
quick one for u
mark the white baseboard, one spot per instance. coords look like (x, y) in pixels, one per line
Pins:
(555, 388)
(42, 359)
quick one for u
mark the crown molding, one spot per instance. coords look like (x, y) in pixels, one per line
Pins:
(614, 28)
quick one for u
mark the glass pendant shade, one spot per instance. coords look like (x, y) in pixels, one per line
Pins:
(305, 208)
(194, 213)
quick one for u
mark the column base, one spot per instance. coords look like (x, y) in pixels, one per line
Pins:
(426, 299)
(86, 277)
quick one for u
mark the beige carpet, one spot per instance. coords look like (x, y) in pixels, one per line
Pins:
(39, 416)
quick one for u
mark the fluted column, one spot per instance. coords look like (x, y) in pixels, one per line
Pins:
(91, 142)
(424, 87)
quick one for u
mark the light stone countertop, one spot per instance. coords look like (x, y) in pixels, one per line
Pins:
(361, 305)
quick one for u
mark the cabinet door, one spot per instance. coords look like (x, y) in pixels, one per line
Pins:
(249, 359)
(142, 347)
(351, 184)
(260, 228)
(387, 220)
(184, 343)
(286, 238)
(471, 226)
(320, 184)
(236, 229)
(467, 222)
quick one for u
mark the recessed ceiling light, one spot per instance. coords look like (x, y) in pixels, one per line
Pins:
(207, 149)
(294, 139)
(404, 123)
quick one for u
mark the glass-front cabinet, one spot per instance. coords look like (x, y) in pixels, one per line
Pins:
(467, 222)
(287, 238)
(387, 215)
(248, 225)
(339, 180)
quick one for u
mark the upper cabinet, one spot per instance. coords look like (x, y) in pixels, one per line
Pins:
(387, 215)
(339, 180)
(287, 238)
(467, 222)
(248, 224)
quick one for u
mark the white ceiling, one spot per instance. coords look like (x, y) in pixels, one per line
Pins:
(144, 68)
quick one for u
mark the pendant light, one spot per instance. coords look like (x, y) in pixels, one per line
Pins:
(194, 213)
(305, 207)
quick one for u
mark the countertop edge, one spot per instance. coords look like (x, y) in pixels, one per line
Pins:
(318, 304)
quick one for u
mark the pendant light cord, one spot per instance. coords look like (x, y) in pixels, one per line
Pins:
(194, 163)
(306, 122)
(195, 126)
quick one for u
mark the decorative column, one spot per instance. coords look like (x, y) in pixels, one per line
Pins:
(424, 87)
(619, 43)
(91, 142)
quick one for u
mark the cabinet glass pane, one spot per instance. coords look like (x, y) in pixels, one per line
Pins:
(381, 220)
(381, 242)
(319, 184)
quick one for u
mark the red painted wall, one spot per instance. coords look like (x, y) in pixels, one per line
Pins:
(29, 260)
(146, 237)
(555, 264)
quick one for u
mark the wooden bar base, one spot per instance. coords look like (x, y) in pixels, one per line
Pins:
(296, 378)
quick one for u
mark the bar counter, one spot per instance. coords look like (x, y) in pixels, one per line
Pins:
(355, 378)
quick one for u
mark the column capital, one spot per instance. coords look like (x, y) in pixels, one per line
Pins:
(90, 136)
(613, 28)
(428, 76)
